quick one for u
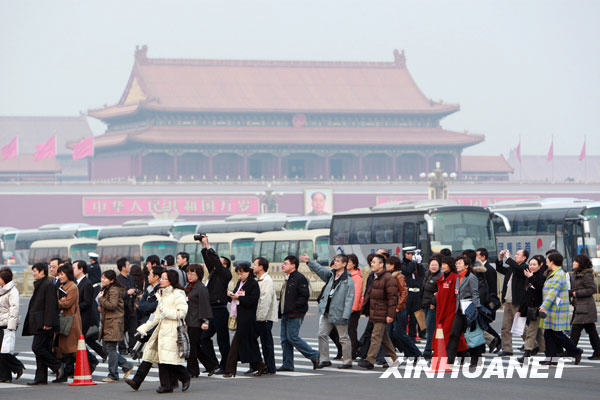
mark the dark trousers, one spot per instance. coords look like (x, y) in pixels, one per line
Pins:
(233, 357)
(169, 375)
(400, 339)
(44, 358)
(198, 353)
(556, 339)
(69, 360)
(263, 328)
(353, 331)
(130, 329)
(459, 326)
(9, 364)
(97, 347)
(334, 335)
(592, 333)
(142, 372)
(217, 325)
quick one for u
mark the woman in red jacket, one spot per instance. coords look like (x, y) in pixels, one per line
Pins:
(446, 302)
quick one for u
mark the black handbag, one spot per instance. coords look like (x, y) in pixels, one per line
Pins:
(183, 340)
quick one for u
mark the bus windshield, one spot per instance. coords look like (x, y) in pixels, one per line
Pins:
(242, 249)
(161, 249)
(462, 230)
(322, 248)
(80, 251)
(181, 230)
(87, 234)
(295, 225)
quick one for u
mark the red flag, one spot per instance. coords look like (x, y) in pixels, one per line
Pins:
(582, 154)
(519, 151)
(550, 152)
(45, 150)
(84, 148)
(11, 150)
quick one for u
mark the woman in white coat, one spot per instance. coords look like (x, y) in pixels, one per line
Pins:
(161, 348)
(9, 319)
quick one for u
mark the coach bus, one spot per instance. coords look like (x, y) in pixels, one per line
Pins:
(236, 246)
(308, 222)
(135, 248)
(7, 244)
(430, 226)
(75, 249)
(88, 232)
(568, 225)
(276, 246)
(135, 230)
(25, 238)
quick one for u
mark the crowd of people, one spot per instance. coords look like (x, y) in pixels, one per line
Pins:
(146, 312)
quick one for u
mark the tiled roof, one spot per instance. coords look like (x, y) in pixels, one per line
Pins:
(37, 130)
(485, 164)
(272, 86)
(26, 164)
(289, 136)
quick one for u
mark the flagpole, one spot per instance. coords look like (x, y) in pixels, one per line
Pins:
(520, 163)
(585, 160)
(552, 159)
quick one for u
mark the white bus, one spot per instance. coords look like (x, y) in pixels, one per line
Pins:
(571, 226)
(276, 246)
(75, 249)
(429, 225)
(236, 246)
(25, 238)
(135, 248)
(308, 222)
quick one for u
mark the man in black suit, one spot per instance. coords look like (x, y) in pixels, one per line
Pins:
(53, 270)
(88, 310)
(94, 272)
(40, 322)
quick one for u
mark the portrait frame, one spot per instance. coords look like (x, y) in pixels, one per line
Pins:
(312, 194)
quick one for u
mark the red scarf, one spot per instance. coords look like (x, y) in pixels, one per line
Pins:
(461, 275)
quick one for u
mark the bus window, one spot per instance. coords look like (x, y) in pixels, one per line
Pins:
(38, 255)
(295, 225)
(256, 250)
(223, 250)
(499, 227)
(383, 230)
(524, 223)
(282, 250)
(398, 229)
(134, 254)
(410, 234)
(267, 249)
(306, 247)
(423, 239)
(294, 248)
(361, 230)
(242, 248)
(80, 251)
(322, 248)
(191, 249)
(161, 249)
(340, 231)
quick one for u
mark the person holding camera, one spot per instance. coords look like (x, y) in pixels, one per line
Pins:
(130, 296)
(219, 276)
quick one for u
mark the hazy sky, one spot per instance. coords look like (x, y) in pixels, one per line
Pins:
(529, 68)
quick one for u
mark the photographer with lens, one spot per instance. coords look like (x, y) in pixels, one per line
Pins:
(219, 275)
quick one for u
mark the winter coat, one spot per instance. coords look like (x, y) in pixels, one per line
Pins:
(341, 299)
(519, 280)
(218, 278)
(69, 306)
(198, 305)
(381, 298)
(480, 273)
(491, 276)
(162, 345)
(429, 288)
(147, 304)
(556, 302)
(402, 290)
(357, 278)
(534, 295)
(446, 307)
(582, 283)
(9, 306)
(267, 303)
(113, 313)
(246, 321)
(43, 308)
(94, 273)
(295, 302)
(87, 305)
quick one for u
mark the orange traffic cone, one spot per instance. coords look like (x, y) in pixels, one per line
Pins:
(83, 375)
(439, 362)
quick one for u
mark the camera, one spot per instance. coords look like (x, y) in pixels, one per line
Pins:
(198, 237)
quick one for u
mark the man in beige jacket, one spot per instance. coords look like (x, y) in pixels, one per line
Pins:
(266, 312)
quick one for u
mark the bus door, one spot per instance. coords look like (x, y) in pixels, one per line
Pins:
(573, 241)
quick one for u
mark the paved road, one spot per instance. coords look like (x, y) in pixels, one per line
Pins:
(577, 382)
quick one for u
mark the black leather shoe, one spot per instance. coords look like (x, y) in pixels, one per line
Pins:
(578, 357)
(60, 380)
(365, 364)
(504, 353)
(219, 372)
(185, 385)
(547, 362)
(19, 373)
(339, 356)
(5, 380)
(34, 383)
(164, 390)
(283, 369)
(316, 363)
(345, 366)
(60, 374)
(250, 372)
(134, 385)
(324, 364)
